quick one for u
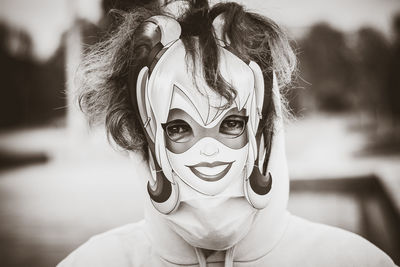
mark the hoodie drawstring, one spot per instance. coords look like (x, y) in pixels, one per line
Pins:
(228, 257)
(200, 257)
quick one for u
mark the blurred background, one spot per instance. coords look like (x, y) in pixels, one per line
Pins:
(61, 183)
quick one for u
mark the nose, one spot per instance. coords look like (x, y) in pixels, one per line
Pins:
(209, 149)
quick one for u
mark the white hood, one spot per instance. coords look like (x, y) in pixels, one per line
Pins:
(250, 240)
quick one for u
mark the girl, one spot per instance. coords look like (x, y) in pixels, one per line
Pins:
(199, 96)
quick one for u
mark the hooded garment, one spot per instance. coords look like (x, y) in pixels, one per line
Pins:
(275, 238)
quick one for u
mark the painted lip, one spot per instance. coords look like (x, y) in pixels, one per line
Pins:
(214, 177)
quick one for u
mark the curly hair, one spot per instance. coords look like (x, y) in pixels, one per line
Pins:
(104, 73)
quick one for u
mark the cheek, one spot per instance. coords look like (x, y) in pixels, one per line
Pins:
(235, 143)
(240, 156)
(178, 148)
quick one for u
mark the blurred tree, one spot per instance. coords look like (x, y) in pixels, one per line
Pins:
(373, 54)
(13, 72)
(393, 88)
(31, 91)
(327, 63)
(378, 80)
(126, 4)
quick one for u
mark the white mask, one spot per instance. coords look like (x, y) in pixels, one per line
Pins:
(209, 165)
(213, 212)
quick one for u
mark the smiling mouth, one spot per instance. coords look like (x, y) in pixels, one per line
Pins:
(211, 172)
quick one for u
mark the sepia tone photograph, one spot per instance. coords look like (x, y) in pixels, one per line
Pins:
(199, 133)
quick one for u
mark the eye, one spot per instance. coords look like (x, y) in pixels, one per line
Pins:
(178, 131)
(233, 126)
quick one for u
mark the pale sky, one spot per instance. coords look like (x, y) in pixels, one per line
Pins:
(347, 15)
(46, 20)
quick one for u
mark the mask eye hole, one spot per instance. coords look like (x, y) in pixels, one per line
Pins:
(178, 131)
(233, 126)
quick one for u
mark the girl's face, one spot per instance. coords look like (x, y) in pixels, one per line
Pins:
(207, 157)
(206, 146)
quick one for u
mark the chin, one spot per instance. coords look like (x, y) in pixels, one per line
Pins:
(213, 226)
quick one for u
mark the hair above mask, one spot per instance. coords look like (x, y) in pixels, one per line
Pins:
(110, 67)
